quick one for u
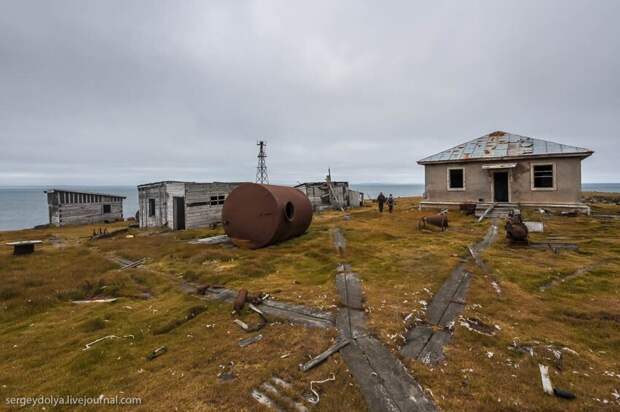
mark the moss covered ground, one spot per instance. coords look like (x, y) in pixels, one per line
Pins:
(43, 334)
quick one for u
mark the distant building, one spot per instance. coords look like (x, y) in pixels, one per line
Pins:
(505, 169)
(68, 207)
(182, 205)
(340, 197)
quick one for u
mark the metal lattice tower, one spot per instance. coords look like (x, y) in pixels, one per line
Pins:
(261, 169)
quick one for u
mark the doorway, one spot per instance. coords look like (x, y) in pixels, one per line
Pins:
(500, 187)
(179, 213)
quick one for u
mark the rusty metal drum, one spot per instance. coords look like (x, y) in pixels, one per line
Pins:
(259, 215)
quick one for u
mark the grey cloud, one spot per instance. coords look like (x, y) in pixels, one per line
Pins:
(122, 92)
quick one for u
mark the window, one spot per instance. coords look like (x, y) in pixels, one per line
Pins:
(107, 209)
(543, 176)
(456, 179)
(151, 207)
(217, 200)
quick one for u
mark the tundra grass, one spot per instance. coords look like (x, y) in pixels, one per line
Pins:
(43, 334)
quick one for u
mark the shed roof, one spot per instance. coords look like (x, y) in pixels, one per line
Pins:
(502, 145)
(81, 192)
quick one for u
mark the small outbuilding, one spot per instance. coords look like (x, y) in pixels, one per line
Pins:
(182, 205)
(339, 195)
(67, 207)
(507, 170)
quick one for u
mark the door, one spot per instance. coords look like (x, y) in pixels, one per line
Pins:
(179, 213)
(500, 187)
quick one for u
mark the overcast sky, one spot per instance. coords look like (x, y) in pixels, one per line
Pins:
(127, 92)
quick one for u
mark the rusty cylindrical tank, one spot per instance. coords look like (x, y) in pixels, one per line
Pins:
(257, 215)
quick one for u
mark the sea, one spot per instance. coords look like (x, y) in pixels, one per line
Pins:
(26, 206)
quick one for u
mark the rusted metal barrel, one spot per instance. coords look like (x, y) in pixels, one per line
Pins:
(516, 230)
(257, 215)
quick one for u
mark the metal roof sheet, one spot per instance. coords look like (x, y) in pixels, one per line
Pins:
(499, 145)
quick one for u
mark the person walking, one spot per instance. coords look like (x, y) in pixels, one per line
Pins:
(381, 200)
(390, 203)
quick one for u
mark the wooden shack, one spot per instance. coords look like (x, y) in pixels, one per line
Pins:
(67, 207)
(339, 196)
(182, 205)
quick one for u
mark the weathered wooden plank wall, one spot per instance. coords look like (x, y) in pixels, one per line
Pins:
(68, 208)
(204, 203)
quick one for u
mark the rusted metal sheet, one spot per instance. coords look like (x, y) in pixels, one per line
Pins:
(240, 300)
(258, 215)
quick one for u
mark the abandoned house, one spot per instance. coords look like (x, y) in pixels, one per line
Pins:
(506, 170)
(339, 196)
(182, 205)
(71, 208)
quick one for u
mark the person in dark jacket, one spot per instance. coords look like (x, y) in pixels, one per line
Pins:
(381, 200)
(390, 203)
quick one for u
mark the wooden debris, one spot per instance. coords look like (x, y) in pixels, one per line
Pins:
(241, 324)
(425, 342)
(339, 241)
(157, 353)
(323, 356)
(350, 290)
(248, 341)
(282, 398)
(213, 240)
(295, 313)
(263, 399)
(137, 263)
(544, 377)
(81, 302)
(486, 212)
(555, 247)
(89, 345)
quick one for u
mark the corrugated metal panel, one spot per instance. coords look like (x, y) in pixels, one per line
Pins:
(501, 145)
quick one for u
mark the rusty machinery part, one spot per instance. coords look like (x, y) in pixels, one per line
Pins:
(240, 300)
(243, 297)
(440, 220)
(259, 215)
(516, 230)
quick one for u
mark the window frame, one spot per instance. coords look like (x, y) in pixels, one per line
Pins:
(449, 187)
(106, 206)
(553, 177)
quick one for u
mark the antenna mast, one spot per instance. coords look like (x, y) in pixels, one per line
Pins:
(261, 169)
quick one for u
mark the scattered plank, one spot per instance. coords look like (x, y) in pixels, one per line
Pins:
(486, 212)
(323, 356)
(90, 344)
(82, 302)
(156, 353)
(544, 377)
(425, 342)
(349, 288)
(213, 240)
(248, 341)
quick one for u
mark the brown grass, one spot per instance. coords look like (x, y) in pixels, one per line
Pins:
(43, 333)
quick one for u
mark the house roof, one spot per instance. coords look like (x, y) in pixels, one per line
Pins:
(501, 145)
